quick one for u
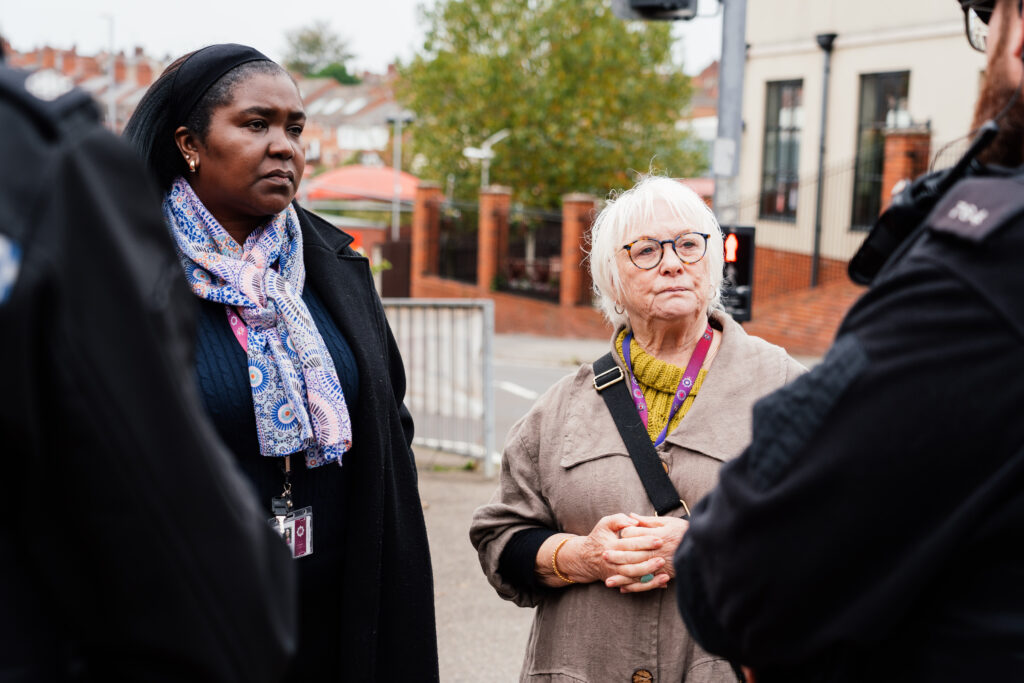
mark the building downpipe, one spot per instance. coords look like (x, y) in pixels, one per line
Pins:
(825, 41)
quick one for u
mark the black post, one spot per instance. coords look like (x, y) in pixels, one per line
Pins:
(825, 41)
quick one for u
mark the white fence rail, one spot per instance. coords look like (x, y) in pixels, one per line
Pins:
(447, 346)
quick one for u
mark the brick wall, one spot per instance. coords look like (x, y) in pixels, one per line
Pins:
(521, 315)
(786, 311)
(778, 272)
(804, 322)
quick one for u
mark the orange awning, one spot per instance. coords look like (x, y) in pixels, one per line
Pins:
(362, 182)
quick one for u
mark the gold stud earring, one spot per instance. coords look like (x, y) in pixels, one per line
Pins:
(192, 165)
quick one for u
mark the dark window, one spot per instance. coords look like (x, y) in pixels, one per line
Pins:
(883, 104)
(783, 121)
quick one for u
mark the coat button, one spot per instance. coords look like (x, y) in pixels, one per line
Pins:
(643, 676)
(665, 465)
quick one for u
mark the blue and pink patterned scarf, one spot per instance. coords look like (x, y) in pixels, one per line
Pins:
(296, 395)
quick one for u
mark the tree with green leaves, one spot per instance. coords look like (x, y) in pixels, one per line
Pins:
(316, 51)
(587, 97)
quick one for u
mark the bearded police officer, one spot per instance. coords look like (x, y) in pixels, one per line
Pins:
(874, 528)
(130, 549)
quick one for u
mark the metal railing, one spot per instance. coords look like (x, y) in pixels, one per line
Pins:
(447, 347)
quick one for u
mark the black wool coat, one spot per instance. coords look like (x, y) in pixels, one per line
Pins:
(389, 630)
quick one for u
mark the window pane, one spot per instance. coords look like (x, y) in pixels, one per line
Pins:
(771, 152)
(781, 159)
(883, 103)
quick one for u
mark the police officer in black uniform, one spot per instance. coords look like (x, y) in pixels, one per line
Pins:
(874, 528)
(130, 548)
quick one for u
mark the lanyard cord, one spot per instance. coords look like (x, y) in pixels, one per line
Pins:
(685, 384)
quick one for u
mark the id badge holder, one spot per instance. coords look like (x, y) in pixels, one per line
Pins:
(294, 526)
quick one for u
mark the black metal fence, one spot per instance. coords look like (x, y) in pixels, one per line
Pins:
(457, 249)
(534, 253)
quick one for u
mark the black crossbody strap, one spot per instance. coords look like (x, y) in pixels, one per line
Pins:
(610, 382)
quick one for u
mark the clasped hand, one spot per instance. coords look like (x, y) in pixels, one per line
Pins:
(627, 548)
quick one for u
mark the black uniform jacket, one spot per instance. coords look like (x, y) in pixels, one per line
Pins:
(874, 528)
(388, 601)
(130, 546)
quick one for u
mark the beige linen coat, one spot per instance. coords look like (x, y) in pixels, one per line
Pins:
(565, 467)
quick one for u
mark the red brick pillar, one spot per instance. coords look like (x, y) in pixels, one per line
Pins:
(907, 151)
(493, 233)
(574, 282)
(435, 204)
(426, 228)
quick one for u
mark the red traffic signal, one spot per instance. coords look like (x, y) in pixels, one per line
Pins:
(737, 287)
(732, 244)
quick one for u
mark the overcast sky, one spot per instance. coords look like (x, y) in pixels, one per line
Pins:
(377, 30)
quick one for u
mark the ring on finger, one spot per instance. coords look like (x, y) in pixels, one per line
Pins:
(647, 578)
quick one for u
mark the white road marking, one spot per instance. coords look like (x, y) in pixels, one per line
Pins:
(519, 391)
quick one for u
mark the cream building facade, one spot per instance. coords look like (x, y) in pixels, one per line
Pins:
(894, 64)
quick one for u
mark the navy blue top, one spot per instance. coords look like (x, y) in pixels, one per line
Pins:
(223, 377)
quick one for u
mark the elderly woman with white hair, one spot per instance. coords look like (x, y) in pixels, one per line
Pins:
(571, 530)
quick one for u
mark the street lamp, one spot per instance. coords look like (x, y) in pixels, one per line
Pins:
(484, 153)
(111, 76)
(398, 120)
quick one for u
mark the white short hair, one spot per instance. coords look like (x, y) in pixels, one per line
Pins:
(636, 206)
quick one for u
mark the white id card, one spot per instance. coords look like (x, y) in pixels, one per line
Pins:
(296, 528)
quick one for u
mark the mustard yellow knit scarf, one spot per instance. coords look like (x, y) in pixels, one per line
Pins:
(659, 381)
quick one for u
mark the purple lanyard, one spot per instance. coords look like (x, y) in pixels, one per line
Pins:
(685, 384)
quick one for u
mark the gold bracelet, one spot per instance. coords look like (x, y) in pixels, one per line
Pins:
(554, 561)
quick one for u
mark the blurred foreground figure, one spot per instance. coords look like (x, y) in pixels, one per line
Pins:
(131, 548)
(872, 530)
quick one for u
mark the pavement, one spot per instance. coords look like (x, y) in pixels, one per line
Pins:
(481, 637)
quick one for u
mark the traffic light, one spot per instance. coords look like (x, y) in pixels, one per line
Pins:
(658, 10)
(738, 285)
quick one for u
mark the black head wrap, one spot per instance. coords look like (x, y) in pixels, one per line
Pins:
(200, 71)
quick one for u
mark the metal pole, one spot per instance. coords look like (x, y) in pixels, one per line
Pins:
(396, 162)
(488, 388)
(485, 172)
(111, 102)
(726, 160)
(825, 41)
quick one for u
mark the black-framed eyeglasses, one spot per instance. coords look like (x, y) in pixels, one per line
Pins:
(977, 14)
(647, 253)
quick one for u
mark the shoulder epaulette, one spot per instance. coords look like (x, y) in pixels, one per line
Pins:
(976, 207)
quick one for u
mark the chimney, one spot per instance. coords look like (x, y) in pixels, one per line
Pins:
(143, 73)
(120, 68)
(90, 67)
(70, 62)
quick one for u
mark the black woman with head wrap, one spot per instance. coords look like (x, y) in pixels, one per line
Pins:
(295, 361)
